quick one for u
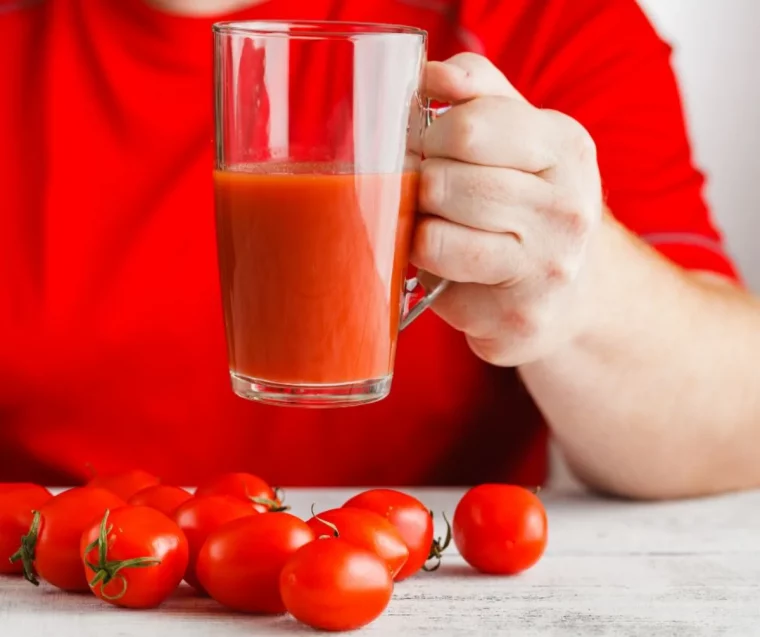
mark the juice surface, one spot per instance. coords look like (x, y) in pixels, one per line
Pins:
(312, 267)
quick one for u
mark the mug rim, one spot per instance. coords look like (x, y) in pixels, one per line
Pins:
(316, 29)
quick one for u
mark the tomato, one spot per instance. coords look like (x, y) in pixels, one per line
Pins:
(199, 517)
(51, 546)
(9, 487)
(412, 520)
(335, 585)
(126, 483)
(240, 563)
(500, 528)
(16, 513)
(134, 557)
(244, 486)
(365, 529)
(162, 497)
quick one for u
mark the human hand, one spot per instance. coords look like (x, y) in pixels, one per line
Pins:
(510, 197)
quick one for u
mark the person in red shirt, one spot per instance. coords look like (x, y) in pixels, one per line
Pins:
(591, 298)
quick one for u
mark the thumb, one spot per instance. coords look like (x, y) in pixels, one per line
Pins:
(464, 77)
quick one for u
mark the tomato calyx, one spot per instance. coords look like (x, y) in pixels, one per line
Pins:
(26, 552)
(273, 505)
(107, 571)
(438, 547)
(333, 528)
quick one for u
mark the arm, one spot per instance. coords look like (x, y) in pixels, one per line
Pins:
(655, 393)
(643, 367)
(659, 394)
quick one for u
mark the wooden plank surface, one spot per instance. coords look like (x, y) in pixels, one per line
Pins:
(612, 568)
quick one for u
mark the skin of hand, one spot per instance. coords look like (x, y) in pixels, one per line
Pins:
(510, 200)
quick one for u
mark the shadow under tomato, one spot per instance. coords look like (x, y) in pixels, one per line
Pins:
(186, 602)
(463, 571)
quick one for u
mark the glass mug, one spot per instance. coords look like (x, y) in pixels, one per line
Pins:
(317, 154)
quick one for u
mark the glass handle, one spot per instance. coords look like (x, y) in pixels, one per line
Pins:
(411, 313)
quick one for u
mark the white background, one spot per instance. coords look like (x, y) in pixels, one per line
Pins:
(717, 58)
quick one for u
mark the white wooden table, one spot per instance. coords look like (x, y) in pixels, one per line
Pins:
(611, 568)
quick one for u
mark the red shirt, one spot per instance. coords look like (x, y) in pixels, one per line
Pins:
(111, 338)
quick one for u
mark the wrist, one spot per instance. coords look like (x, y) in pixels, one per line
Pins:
(610, 297)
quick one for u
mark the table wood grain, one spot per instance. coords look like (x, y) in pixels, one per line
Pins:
(611, 568)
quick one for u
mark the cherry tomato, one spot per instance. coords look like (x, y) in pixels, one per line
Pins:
(8, 487)
(162, 497)
(16, 512)
(50, 548)
(365, 529)
(412, 520)
(134, 557)
(240, 563)
(244, 486)
(335, 585)
(199, 517)
(500, 528)
(126, 483)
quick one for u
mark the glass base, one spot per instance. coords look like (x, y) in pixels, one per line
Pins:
(361, 392)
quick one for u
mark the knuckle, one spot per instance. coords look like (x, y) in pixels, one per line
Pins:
(466, 134)
(515, 339)
(429, 244)
(576, 223)
(569, 213)
(433, 185)
(579, 140)
(519, 322)
(557, 274)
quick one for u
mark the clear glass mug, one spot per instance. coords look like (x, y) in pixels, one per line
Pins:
(317, 131)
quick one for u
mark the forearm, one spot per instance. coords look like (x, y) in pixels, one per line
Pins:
(659, 394)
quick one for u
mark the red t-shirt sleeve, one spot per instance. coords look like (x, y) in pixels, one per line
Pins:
(602, 62)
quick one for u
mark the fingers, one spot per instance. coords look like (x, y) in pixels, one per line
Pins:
(480, 311)
(458, 253)
(498, 329)
(469, 308)
(482, 197)
(466, 76)
(460, 78)
(496, 131)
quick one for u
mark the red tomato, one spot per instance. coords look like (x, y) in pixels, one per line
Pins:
(199, 517)
(244, 486)
(412, 520)
(162, 497)
(500, 528)
(8, 487)
(51, 546)
(134, 557)
(16, 513)
(125, 484)
(335, 585)
(240, 563)
(365, 529)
